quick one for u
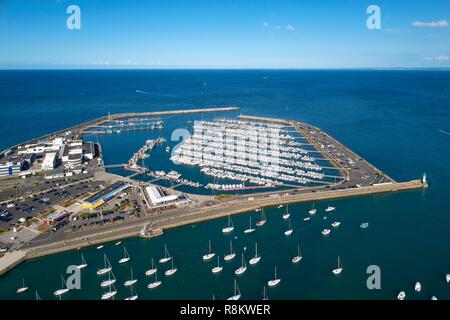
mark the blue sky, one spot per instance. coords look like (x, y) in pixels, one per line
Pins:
(224, 34)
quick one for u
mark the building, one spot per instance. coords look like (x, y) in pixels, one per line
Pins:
(55, 217)
(88, 151)
(10, 168)
(49, 162)
(105, 195)
(158, 197)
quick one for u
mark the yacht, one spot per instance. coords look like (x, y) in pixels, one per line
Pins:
(256, 258)
(289, 231)
(330, 209)
(230, 226)
(434, 298)
(298, 257)
(418, 287)
(364, 225)
(133, 295)
(275, 281)
(447, 277)
(130, 282)
(126, 256)
(335, 224)
(155, 283)
(110, 294)
(401, 295)
(231, 255)
(167, 256)
(280, 206)
(171, 271)
(286, 215)
(23, 288)
(118, 243)
(313, 210)
(250, 229)
(83, 263)
(242, 268)
(152, 270)
(237, 292)
(218, 268)
(210, 254)
(339, 268)
(63, 289)
(263, 220)
(110, 281)
(107, 268)
(100, 247)
(326, 232)
(306, 219)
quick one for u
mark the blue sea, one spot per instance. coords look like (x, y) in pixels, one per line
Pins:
(397, 120)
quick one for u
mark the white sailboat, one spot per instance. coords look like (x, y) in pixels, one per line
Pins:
(447, 277)
(23, 288)
(133, 295)
(312, 211)
(218, 268)
(280, 206)
(110, 294)
(118, 243)
(107, 268)
(339, 268)
(401, 295)
(231, 255)
(306, 219)
(242, 268)
(210, 254)
(167, 256)
(289, 231)
(152, 270)
(171, 271)
(100, 247)
(265, 296)
(275, 281)
(263, 220)
(155, 283)
(110, 281)
(298, 257)
(335, 224)
(286, 215)
(330, 209)
(83, 263)
(237, 292)
(130, 282)
(230, 226)
(126, 256)
(418, 287)
(63, 288)
(249, 229)
(326, 232)
(256, 258)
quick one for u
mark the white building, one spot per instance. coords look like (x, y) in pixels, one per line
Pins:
(157, 196)
(49, 162)
(9, 168)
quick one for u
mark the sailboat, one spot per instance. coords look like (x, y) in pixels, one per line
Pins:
(401, 295)
(107, 267)
(110, 281)
(133, 295)
(339, 268)
(126, 256)
(23, 288)
(289, 231)
(231, 255)
(37, 296)
(152, 270)
(447, 277)
(335, 224)
(265, 296)
(306, 219)
(111, 293)
(256, 258)
(167, 256)
(230, 226)
(249, 229)
(218, 268)
(286, 215)
(275, 281)
(100, 247)
(298, 257)
(313, 210)
(280, 206)
(118, 243)
(63, 289)
(326, 232)
(237, 292)
(263, 220)
(418, 287)
(155, 283)
(242, 268)
(210, 254)
(330, 209)
(171, 271)
(83, 263)
(131, 281)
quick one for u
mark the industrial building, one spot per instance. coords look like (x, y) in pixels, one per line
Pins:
(10, 168)
(103, 196)
(158, 197)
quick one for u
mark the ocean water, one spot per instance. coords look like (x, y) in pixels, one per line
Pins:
(397, 120)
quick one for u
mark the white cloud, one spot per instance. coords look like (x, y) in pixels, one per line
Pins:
(265, 24)
(290, 27)
(438, 58)
(432, 24)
